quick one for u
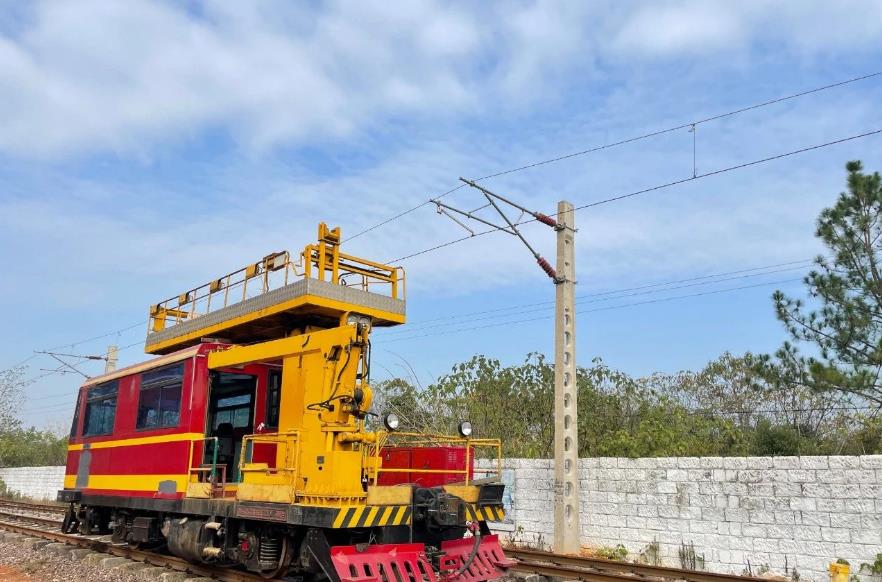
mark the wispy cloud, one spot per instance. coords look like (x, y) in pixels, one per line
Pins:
(100, 76)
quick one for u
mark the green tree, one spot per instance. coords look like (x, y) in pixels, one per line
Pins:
(31, 447)
(723, 409)
(21, 447)
(512, 403)
(12, 387)
(842, 319)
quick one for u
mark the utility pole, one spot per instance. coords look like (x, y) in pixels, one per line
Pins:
(566, 434)
(111, 359)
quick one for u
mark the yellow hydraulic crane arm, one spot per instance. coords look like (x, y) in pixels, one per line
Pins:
(323, 396)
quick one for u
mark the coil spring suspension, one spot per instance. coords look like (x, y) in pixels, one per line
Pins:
(269, 551)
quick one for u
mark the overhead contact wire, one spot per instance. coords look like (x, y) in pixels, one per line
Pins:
(658, 187)
(596, 309)
(661, 286)
(691, 124)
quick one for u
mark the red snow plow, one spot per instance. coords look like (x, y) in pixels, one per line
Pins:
(472, 559)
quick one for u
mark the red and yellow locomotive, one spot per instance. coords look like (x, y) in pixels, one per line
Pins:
(255, 449)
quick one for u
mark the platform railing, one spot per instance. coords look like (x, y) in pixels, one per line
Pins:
(273, 271)
(488, 450)
(351, 271)
(322, 261)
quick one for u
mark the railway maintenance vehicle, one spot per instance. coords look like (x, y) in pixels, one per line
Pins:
(250, 441)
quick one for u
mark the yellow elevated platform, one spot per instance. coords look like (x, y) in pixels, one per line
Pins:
(276, 297)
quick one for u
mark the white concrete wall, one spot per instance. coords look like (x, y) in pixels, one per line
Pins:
(780, 512)
(34, 482)
(801, 512)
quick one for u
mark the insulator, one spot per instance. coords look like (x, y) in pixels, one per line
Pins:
(546, 266)
(545, 219)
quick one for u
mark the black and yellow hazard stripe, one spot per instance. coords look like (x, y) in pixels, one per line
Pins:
(386, 515)
(372, 516)
(486, 513)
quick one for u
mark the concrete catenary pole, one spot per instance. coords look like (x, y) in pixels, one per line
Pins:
(566, 436)
(111, 359)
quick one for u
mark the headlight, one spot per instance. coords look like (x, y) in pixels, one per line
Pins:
(465, 428)
(391, 421)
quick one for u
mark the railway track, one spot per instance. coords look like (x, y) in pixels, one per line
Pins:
(14, 517)
(48, 529)
(601, 570)
(40, 507)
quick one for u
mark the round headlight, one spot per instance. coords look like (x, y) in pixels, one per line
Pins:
(391, 421)
(465, 428)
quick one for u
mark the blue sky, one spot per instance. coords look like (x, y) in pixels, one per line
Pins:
(150, 146)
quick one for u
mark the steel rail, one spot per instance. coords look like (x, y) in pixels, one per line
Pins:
(571, 573)
(123, 551)
(603, 570)
(33, 506)
(32, 518)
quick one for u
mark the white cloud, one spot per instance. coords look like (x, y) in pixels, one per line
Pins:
(103, 75)
(99, 75)
(676, 28)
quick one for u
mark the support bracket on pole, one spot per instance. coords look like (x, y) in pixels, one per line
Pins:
(510, 226)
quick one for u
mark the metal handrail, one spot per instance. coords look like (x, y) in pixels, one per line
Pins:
(373, 452)
(214, 452)
(211, 469)
(186, 305)
(321, 261)
(278, 438)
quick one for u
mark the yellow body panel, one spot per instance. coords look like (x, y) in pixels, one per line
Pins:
(272, 493)
(169, 438)
(468, 493)
(128, 482)
(389, 495)
(199, 490)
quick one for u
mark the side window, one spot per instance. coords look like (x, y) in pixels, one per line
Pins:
(100, 409)
(159, 402)
(273, 398)
(76, 418)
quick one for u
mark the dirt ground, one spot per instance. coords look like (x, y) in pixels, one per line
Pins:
(10, 574)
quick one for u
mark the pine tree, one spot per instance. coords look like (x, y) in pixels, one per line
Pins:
(841, 320)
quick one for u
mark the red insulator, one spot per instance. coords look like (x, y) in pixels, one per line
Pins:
(545, 219)
(549, 270)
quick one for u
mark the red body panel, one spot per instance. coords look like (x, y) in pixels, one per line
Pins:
(451, 459)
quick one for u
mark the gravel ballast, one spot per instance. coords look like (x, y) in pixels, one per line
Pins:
(25, 558)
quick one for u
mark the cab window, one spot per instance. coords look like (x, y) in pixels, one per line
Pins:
(100, 409)
(159, 400)
(76, 418)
